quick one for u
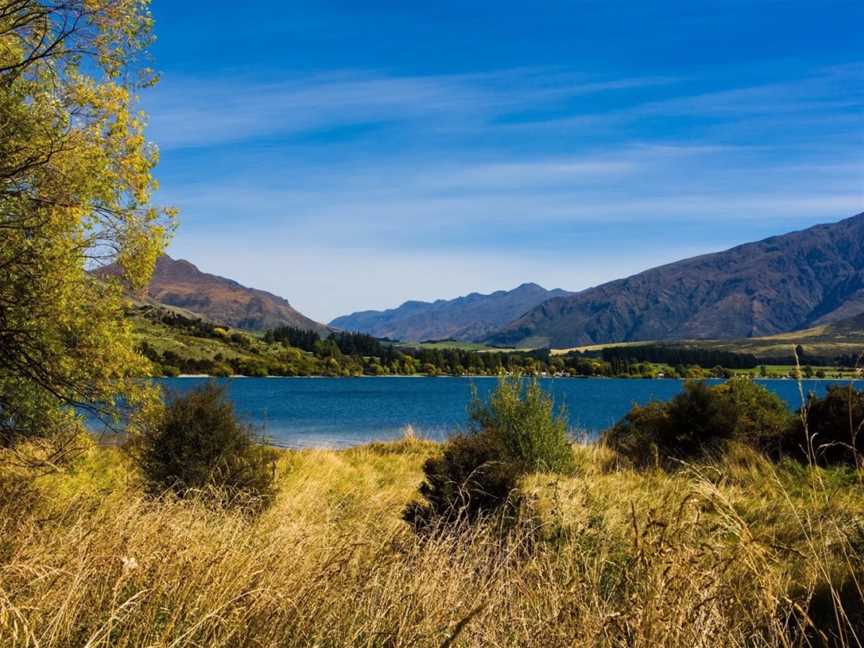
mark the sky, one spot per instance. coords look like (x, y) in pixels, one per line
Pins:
(351, 154)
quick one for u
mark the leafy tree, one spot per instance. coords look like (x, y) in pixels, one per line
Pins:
(75, 185)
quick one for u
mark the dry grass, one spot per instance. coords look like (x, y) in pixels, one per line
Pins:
(722, 554)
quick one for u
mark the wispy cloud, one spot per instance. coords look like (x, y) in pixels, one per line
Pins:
(378, 188)
(831, 99)
(206, 112)
(443, 203)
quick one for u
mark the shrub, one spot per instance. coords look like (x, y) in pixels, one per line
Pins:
(836, 425)
(699, 420)
(196, 443)
(477, 474)
(640, 435)
(761, 417)
(467, 482)
(221, 370)
(522, 421)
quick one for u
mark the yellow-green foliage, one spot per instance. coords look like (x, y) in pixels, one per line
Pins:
(164, 338)
(77, 178)
(724, 553)
(523, 421)
(220, 350)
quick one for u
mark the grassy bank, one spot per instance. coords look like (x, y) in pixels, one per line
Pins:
(724, 553)
(178, 342)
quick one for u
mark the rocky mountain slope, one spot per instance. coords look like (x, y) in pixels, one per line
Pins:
(179, 283)
(780, 284)
(467, 318)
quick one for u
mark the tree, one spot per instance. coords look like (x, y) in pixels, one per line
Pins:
(75, 186)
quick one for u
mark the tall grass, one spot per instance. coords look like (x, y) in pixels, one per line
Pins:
(728, 552)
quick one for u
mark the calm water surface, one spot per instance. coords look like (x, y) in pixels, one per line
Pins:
(339, 412)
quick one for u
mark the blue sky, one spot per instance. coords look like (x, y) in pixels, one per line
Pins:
(350, 155)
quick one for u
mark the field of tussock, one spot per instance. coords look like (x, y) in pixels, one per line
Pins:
(732, 552)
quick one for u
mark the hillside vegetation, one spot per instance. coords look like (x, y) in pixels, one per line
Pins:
(842, 338)
(179, 342)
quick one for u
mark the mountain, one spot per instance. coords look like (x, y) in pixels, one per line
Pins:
(179, 283)
(839, 339)
(850, 327)
(780, 284)
(466, 318)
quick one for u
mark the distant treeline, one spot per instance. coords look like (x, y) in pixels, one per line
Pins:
(290, 351)
(358, 350)
(621, 356)
(344, 353)
(347, 343)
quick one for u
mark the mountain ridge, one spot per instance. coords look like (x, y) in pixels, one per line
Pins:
(779, 284)
(180, 283)
(465, 318)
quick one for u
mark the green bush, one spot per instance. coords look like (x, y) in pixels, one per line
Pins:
(522, 421)
(761, 418)
(196, 444)
(477, 474)
(835, 424)
(701, 419)
(467, 482)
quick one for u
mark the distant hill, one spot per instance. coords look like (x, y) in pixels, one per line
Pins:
(467, 318)
(179, 283)
(843, 338)
(849, 327)
(781, 284)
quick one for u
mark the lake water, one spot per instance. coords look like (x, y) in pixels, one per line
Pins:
(339, 412)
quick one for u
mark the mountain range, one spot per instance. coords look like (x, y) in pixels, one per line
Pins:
(467, 318)
(181, 284)
(780, 284)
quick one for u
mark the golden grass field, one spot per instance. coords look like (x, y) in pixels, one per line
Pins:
(725, 553)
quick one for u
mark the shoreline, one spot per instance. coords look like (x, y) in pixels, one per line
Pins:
(473, 376)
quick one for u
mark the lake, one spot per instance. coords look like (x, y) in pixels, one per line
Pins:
(340, 412)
